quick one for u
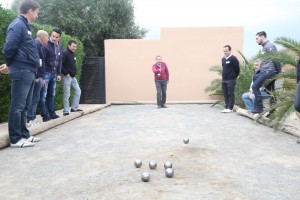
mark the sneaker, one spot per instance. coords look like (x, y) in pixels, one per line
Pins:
(35, 121)
(77, 110)
(29, 124)
(163, 106)
(33, 139)
(158, 107)
(65, 114)
(21, 144)
(226, 110)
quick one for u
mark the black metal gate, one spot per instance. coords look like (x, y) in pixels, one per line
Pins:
(93, 81)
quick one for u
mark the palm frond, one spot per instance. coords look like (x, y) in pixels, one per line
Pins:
(281, 56)
(289, 43)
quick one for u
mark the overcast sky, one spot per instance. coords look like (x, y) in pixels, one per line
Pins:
(276, 17)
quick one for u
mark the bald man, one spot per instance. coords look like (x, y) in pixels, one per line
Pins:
(42, 39)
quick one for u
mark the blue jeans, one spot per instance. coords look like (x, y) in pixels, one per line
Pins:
(228, 87)
(22, 83)
(31, 115)
(47, 96)
(297, 98)
(249, 102)
(69, 82)
(258, 103)
(161, 92)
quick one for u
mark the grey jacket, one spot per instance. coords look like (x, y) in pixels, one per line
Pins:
(268, 65)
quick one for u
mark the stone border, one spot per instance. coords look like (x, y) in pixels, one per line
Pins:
(40, 128)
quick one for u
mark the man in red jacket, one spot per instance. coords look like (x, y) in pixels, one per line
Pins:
(161, 76)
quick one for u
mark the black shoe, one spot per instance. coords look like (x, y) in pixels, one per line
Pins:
(158, 107)
(77, 110)
(257, 111)
(55, 117)
(65, 114)
(45, 119)
(163, 106)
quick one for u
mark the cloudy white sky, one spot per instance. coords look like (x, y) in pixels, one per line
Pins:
(276, 17)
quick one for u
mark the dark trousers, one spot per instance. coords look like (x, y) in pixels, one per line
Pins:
(297, 98)
(161, 92)
(263, 76)
(22, 83)
(271, 88)
(47, 96)
(228, 87)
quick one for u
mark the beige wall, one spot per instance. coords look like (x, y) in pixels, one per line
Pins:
(188, 53)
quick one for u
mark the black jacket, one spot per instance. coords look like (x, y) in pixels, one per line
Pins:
(231, 68)
(68, 63)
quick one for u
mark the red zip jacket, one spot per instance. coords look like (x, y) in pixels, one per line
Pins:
(161, 75)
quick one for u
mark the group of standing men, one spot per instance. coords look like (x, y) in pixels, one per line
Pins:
(263, 71)
(34, 66)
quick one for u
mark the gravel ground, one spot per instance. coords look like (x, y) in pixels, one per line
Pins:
(92, 157)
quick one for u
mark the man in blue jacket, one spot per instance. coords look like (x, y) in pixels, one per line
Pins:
(22, 59)
(42, 39)
(52, 52)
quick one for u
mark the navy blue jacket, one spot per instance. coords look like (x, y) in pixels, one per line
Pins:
(53, 60)
(20, 49)
(41, 68)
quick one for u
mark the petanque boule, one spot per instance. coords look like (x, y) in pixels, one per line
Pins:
(145, 176)
(169, 172)
(152, 164)
(137, 163)
(168, 164)
(186, 140)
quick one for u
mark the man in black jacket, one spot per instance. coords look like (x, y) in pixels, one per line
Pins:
(231, 70)
(68, 78)
(22, 59)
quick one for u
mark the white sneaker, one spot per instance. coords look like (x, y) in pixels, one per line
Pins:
(22, 143)
(29, 124)
(226, 111)
(35, 121)
(33, 139)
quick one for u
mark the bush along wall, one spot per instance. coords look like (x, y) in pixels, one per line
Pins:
(6, 17)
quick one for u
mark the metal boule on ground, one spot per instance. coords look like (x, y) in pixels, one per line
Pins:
(145, 176)
(137, 163)
(168, 164)
(152, 164)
